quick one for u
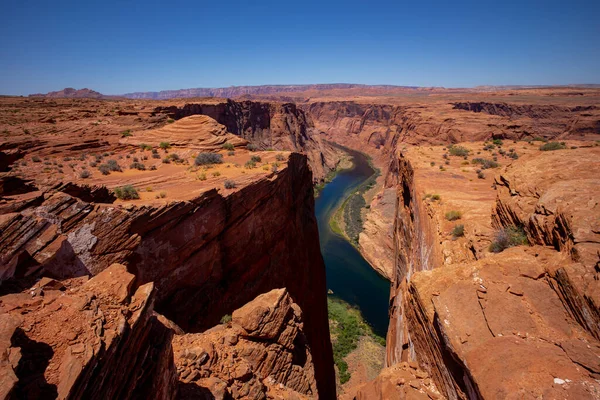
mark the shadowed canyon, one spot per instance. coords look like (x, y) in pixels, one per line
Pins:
(301, 242)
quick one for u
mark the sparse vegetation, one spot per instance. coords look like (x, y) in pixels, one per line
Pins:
(347, 326)
(250, 164)
(510, 236)
(113, 165)
(229, 184)
(216, 173)
(144, 147)
(228, 146)
(104, 169)
(434, 197)
(85, 174)
(480, 174)
(162, 195)
(127, 192)
(208, 158)
(485, 163)
(126, 133)
(459, 151)
(170, 120)
(279, 157)
(165, 145)
(550, 146)
(35, 159)
(497, 142)
(137, 165)
(458, 231)
(453, 215)
(256, 159)
(231, 153)
(225, 319)
(251, 147)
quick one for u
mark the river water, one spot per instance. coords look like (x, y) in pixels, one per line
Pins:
(349, 275)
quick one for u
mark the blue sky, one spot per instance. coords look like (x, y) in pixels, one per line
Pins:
(125, 46)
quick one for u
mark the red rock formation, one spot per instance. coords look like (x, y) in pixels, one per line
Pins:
(268, 125)
(260, 350)
(68, 339)
(207, 256)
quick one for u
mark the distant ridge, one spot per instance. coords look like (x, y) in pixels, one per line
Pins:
(237, 91)
(71, 93)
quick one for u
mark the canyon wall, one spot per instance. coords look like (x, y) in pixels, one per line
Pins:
(281, 126)
(206, 256)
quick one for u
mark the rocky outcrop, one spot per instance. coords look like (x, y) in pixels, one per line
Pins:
(261, 350)
(487, 325)
(207, 256)
(66, 340)
(267, 125)
(400, 381)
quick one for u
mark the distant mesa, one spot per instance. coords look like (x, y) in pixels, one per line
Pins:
(71, 93)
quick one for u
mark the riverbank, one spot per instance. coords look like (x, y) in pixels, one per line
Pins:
(347, 219)
(345, 163)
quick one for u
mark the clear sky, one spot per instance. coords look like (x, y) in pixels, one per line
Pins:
(122, 46)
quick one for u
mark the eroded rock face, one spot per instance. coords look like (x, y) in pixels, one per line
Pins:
(261, 351)
(206, 257)
(487, 325)
(66, 340)
(267, 125)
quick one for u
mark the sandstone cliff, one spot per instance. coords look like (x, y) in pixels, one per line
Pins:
(487, 325)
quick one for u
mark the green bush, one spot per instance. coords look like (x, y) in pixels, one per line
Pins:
(251, 147)
(127, 192)
(170, 120)
(138, 166)
(231, 153)
(85, 174)
(510, 236)
(458, 231)
(228, 146)
(453, 215)
(485, 163)
(113, 165)
(458, 151)
(279, 157)
(497, 142)
(144, 146)
(250, 164)
(126, 133)
(225, 319)
(550, 146)
(104, 169)
(229, 184)
(164, 145)
(256, 159)
(35, 159)
(208, 158)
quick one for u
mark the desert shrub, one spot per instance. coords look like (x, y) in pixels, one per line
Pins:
(228, 146)
(458, 230)
(81, 157)
(126, 133)
(93, 164)
(216, 173)
(138, 166)
(113, 165)
(453, 215)
(497, 142)
(85, 174)
(208, 158)
(250, 164)
(251, 147)
(480, 175)
(153, 168)
(166, 160)
(432, 164)
(256, 158)
(135, 159)
(510, 236)
(229, 184)
(127, 192)
(35, 159)
(274, 167)
(202, 177)
(458, 151)
(539, 139)
(513, 155)
(155, 155)
(550, 146)
(170, 120)
(144, 146)
(231, 153)
(104, 169)
(164, 145)
(162, 195)
(436, 197)
(485, 163)
(279, 157)
(225, 319)
(67, 159)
